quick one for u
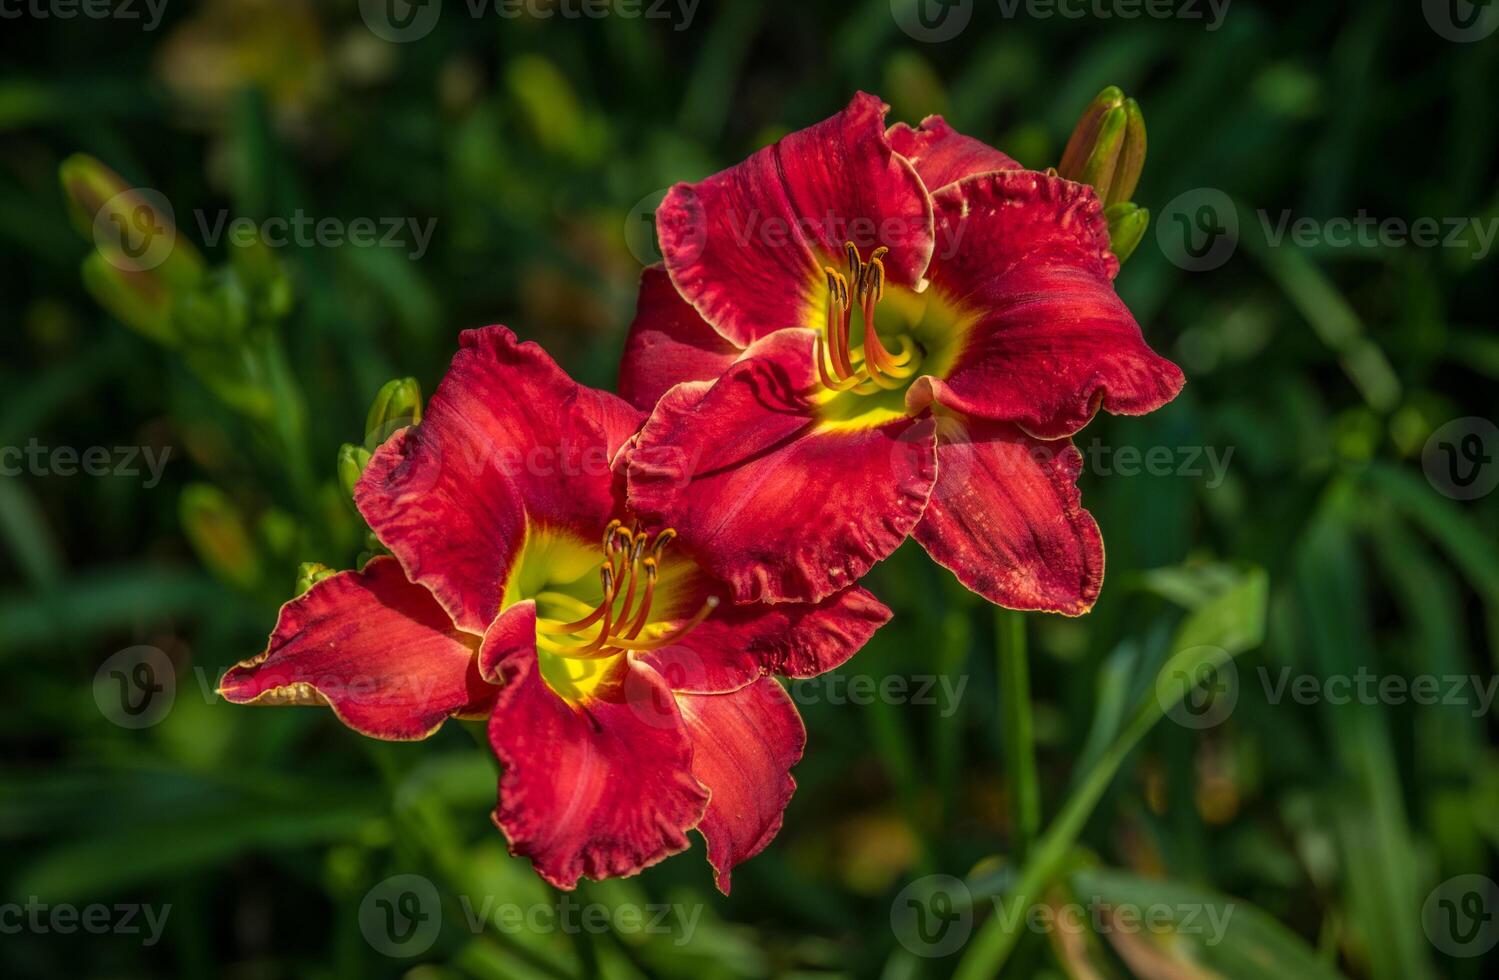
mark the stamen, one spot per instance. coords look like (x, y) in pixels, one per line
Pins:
(836, 328)
(607, 575)
(643, 616)
(657, 643)
(619, 629)
(631, 575)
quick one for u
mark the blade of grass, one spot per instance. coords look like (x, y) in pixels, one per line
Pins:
(1212, 635)
(1017, 734)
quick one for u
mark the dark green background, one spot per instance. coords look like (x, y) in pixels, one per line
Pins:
(1324, 369)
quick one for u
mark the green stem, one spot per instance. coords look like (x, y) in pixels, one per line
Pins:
(1017, 735)
(993, 945)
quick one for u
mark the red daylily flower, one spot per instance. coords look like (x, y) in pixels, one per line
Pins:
(627, 702)
(880, 333)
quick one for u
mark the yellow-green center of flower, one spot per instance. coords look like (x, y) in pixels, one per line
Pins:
(586, 621)
(877, 338)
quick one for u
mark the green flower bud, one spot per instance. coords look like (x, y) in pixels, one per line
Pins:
(1085, 134)
(398, 405)
(132, 227)
(1107, 147)
(137, 299)
(216, 529)
(310, 573)
(1127, 224)
(352, 460)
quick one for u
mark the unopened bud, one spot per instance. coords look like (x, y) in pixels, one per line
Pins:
(137, 299)
(352, 460)
(216, 530)
(398, 404)
(132, 227)
(1127, 224)
(1107, 147)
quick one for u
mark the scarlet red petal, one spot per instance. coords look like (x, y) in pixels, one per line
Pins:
(603, 788)
(746, 246)
(744, 745)
(942, 155)
(1007, 519)
(767, 498)
(507, 438)
(668, 343)
(375, 648)
(1050, 341)
(738, 644)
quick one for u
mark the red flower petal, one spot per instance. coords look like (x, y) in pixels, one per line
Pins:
(668, 343)
(603, 788)
(1050, 340)
(746, 246)
(942, 155)
(376, 649)
(1007, 518)
(738, 644)
(743, 747)
(507, 438)
(765, 496)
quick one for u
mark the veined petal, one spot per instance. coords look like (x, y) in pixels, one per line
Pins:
(743, 747)
(1026, 258)
(375, 648)
(746, 246)
(1007, 519)
(738, 644)
(764, 494)
(942, 155)
(601, 788)
(508, 437)
(668, 343)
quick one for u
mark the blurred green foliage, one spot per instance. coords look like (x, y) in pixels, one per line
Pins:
(1318, 371)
